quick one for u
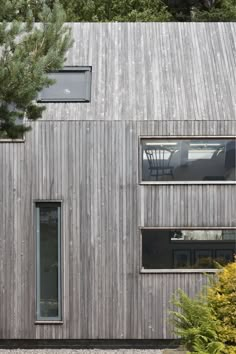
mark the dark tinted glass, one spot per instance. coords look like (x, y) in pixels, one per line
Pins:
(186, 249)
(48, 261)
(188, 160)
(70, 86)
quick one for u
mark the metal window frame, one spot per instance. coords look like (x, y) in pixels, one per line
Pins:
(74, 69)
(172, 270)
(176, 137)
(39, 319)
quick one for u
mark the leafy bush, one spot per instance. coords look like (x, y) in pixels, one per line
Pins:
(207, 323)
(222, 301)
(197, 325)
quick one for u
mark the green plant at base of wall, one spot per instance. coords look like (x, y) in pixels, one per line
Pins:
(196, 325)
(207, 323)
(221, 297)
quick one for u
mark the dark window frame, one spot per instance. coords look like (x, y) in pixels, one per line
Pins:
(39, 319)
(176, 137)
(71, 69)
(176, 270)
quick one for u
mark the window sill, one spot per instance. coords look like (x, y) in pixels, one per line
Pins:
(160, 271)
(2, 140)
(63, 101)
(48, 322)
(185, 182)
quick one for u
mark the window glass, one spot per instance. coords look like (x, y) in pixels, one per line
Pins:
(188, 159)
(72, 85)
(48, 261)
(187, 249)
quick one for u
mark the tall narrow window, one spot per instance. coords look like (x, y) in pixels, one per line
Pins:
(48, 261)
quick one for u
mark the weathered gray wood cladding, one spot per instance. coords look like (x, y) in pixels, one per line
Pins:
(148, 79)
(155, 71)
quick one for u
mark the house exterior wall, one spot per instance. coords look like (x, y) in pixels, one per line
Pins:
(147, 79)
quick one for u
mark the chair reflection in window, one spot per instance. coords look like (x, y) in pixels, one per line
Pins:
(159, 162)
(230, 161)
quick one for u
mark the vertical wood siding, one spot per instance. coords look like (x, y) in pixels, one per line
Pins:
(154, 71)
(93, 167)
(87, 156)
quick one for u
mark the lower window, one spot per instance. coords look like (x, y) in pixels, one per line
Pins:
(187, 248)
(48, 267)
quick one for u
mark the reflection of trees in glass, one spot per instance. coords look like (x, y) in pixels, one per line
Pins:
(222, 261)
(229, 235)
(176, 248)
(207, 235)
(204, 262)
(201, 235)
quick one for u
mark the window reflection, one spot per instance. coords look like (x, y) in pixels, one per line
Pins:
(187, 249)
(188, 160)
(48, 253)
(71, 84)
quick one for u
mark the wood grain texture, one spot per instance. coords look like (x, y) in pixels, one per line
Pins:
(148, 79)
(154, 71)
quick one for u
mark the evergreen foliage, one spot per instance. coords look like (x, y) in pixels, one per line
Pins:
(220, 10)
(28, 52)
(203, 10)
(207, 323)
(130, 10)
(116, 10)
(149, 10)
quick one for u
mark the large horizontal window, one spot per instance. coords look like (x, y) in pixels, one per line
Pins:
(48, 268)
(193, 160)
(72, 84)
(187, 249)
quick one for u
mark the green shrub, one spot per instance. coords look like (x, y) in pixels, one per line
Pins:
(207, 323)
(196, 324)
(221, 298)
